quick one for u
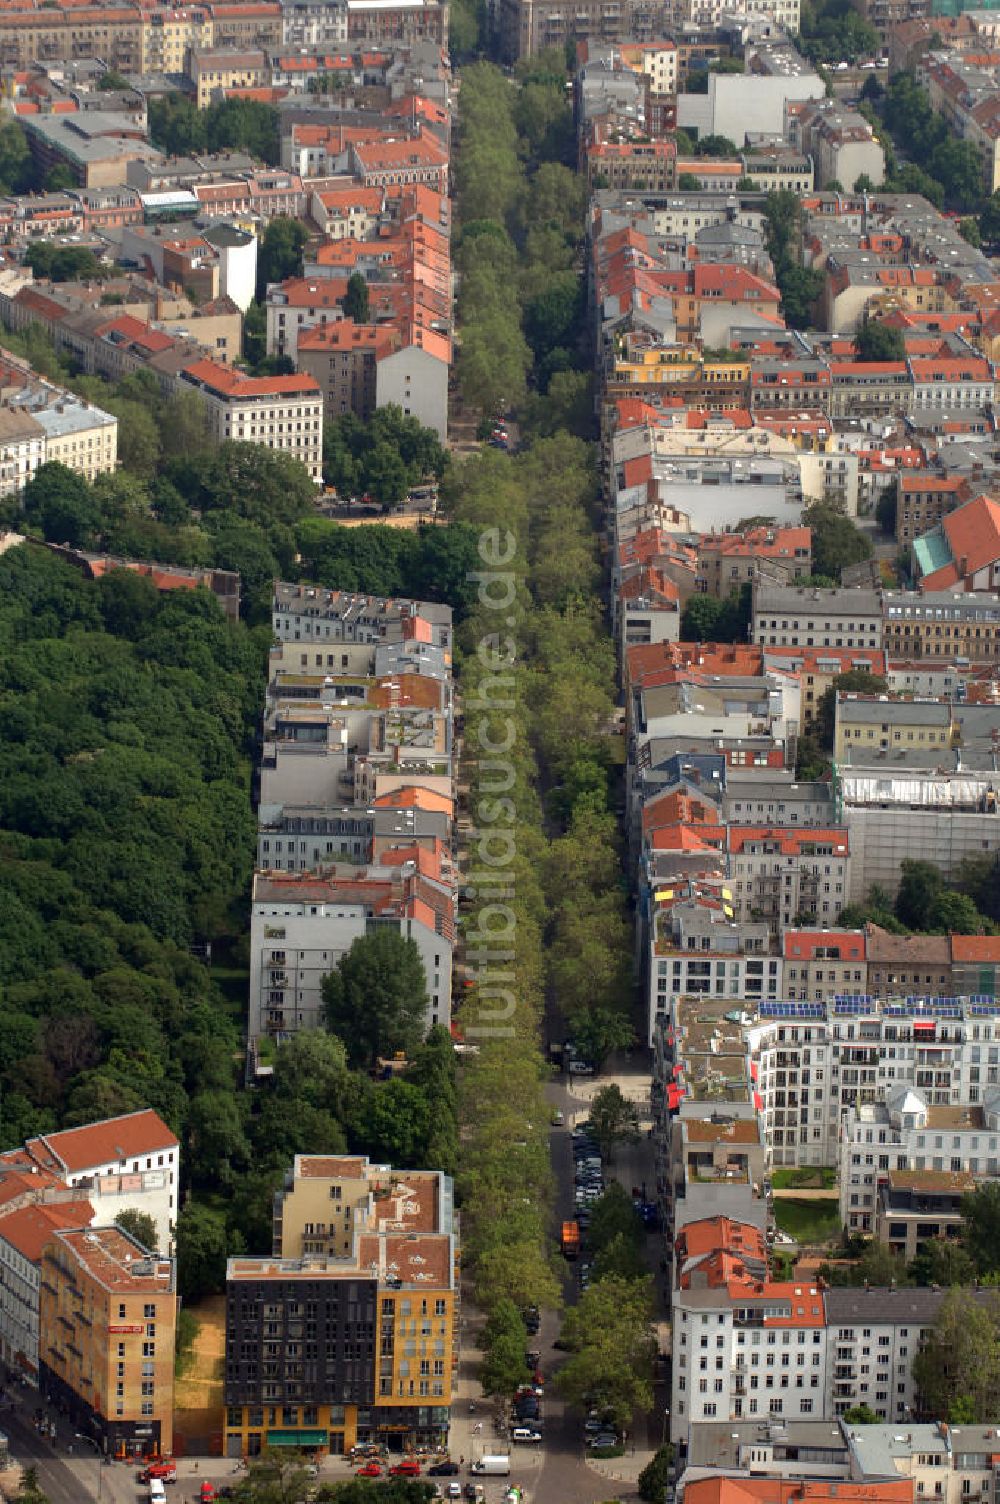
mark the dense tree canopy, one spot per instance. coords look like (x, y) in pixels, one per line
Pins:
(957, 1369)
(383, 458)
(376, 1000)
(878, 341)
(799, 286)
(611, 1343)
(180, 128)
(836, 542)
(62, 263)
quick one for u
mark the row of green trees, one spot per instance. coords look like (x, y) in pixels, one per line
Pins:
(541, 673)
(799, 287)
(939, 164)
(521, 217)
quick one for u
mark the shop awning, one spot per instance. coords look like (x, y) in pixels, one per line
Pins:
(298, 1438)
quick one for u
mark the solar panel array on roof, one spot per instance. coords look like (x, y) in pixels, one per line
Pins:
(853, 1003)
(792, 1010)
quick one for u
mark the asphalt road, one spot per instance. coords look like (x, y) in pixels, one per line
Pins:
(64, 1477)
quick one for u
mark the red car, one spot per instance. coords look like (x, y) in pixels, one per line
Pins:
(408, 1468)
(165, 1471)
(207, 1493)
(370, 1470)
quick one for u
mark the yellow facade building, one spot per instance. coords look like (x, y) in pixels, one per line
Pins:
(347, 1332)
(107, 1322)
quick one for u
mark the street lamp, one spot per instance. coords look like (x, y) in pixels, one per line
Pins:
(81, 1436)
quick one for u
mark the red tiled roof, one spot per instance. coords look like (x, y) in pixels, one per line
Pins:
(973, 534)
(31, 1227)
(111, 1141)
(229, 383)
(789, 841)
(803, 944)
(975, 948)
(770, 542)
(137, 333)
(721, 1490)
(415, 798)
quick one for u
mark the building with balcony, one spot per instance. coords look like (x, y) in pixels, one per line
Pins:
(915, 1206)
(107, 1323)
(744, 1345)
(788, 876)
(905, 1134)
(302, 923)
(348, 1333)
(872, 1339)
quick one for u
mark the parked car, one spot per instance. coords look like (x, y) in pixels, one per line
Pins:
(580, 1068)
(442, 1469)
(526, 1433)
(157, 1493)
(605, 1439)
(207, 1494)
(454, 1490)
(370, 1470)
(408, 1468)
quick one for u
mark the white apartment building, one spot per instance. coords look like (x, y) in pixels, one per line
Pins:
(80, 436)
(22, 450)
(788, 876)
(301, 925)
(309, 614)
(816, 1063)
(278, 412)
(312, 27)
(756, 1352)
(415, 378)
(905, 1132)
(872, 1339)
(23, 1234)
(961, 384)
(694, 950)
(121, 1163)
(808, 617)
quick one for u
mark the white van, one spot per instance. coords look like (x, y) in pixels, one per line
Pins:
(495, 1466)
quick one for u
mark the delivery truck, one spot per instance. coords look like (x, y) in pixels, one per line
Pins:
(570, 1239)
(493, 1465)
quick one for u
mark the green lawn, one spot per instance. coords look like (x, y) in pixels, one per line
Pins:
(808, 1178)
(808, 1221)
